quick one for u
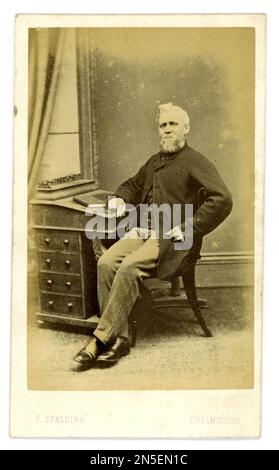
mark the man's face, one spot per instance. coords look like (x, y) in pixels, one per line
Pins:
(172, 131)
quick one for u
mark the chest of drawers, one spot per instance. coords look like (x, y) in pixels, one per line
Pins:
(66, 266)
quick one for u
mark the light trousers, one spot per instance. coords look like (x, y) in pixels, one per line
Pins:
(121, 270)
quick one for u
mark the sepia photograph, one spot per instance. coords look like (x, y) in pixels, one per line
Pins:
(143, 209)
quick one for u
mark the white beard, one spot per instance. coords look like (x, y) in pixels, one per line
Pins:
(171, 146)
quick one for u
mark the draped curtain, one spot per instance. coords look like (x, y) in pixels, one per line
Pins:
(45, 52)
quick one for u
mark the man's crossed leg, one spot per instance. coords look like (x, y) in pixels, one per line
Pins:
(121, 270)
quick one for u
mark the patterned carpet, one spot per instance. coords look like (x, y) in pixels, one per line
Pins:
(171, 352)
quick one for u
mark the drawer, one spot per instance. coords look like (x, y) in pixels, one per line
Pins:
(59, 262)
(60, 283)
(64, 304)
(60, 240)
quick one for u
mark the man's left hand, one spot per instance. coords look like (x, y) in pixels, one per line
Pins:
(175, 234)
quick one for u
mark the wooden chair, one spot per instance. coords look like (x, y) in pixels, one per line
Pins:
(176, 299)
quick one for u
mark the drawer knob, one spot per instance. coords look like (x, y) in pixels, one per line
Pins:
(50, 303)
(66, 242)
(68, 284)
(70, 305)
(49, 282)
(67, 262)
(48, 261)
(47, 240)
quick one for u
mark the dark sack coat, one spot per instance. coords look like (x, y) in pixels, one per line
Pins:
(177, 178)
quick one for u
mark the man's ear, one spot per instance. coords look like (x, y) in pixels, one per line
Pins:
(187, 128)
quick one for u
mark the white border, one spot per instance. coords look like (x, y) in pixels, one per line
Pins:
(141, 414)
(270, 409)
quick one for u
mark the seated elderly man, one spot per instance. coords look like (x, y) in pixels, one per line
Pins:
(172, 176)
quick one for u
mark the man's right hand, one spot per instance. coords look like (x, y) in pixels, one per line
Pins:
(117, 206)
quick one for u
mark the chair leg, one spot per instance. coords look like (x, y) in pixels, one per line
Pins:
(133, 333)
(175, 289)
(133, 326)
(190, 290)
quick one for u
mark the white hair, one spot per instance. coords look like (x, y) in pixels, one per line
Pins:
(169, 107)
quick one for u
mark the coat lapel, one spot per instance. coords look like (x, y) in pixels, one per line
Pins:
(156, 164)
